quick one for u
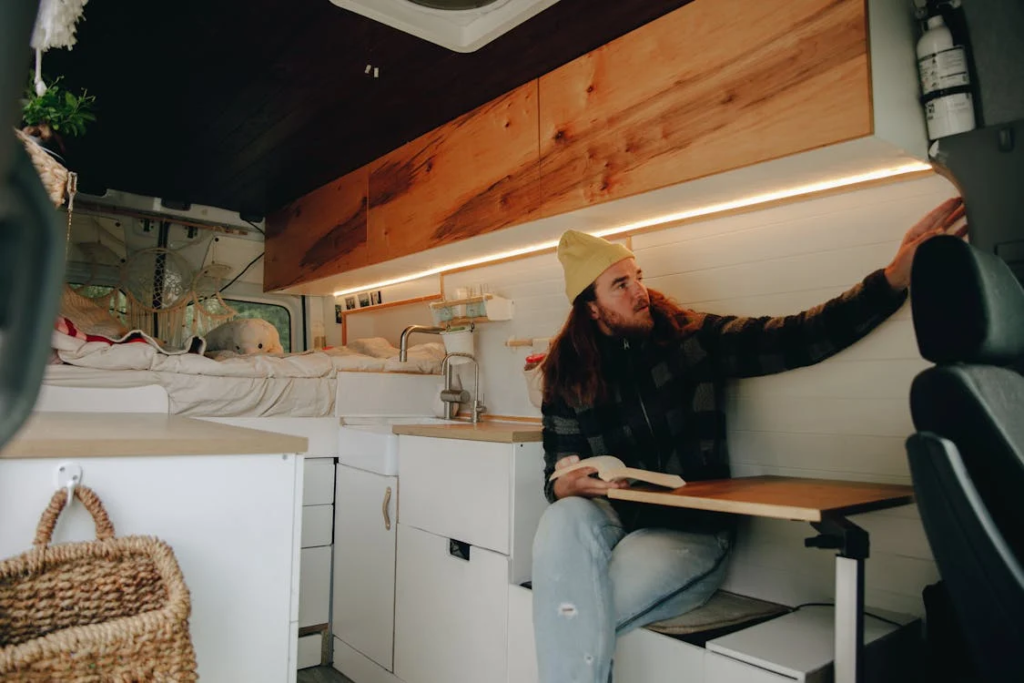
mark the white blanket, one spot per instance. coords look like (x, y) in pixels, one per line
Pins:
(422, 358)
(300, 385)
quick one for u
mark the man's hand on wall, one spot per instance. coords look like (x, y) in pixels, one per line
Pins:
(942, 220)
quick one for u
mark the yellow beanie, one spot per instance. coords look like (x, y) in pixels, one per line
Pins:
(584, 257)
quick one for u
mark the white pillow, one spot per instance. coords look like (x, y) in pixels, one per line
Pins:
(378, 347)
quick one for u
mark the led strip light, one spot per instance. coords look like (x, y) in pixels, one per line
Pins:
(709, 210)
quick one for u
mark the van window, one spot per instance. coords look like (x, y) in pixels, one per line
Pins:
(278, 316)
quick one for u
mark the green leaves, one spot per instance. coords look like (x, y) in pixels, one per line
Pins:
(65, 112)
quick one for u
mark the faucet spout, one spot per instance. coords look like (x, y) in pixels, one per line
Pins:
(450, 396)
(403, 342)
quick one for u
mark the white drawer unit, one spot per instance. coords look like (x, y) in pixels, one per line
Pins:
(317, 522)
(457, 489)
(318, 481)
(451, 614)
(314, 586)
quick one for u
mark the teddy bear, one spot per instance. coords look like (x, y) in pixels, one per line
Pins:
(244, 336)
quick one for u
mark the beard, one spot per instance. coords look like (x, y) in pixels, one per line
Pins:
(639, 324)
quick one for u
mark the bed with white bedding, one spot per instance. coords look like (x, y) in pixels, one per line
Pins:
(292, 385)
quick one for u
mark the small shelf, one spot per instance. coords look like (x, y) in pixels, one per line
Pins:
(459, 322)
(474, 309)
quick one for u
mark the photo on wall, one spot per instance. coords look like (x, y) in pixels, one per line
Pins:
(375, 298)
(364, 299)
(350, 303)
(337, 313)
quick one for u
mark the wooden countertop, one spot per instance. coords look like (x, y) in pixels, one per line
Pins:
(97, 435)
(494, 432)
(808, 500)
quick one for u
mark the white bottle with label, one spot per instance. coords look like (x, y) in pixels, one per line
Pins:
(945, 82)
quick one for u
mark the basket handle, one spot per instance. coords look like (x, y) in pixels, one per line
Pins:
(44, 532)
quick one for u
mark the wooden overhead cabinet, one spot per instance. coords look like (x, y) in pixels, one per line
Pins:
(706, 99)
(713, 86)
(320, 234)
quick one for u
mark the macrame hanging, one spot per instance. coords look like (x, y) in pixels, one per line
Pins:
(162, 295)
(55, 27)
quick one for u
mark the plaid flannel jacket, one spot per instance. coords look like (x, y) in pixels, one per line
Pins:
(664, 409)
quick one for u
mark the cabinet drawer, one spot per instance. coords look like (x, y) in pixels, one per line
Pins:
(457, 489)
(318, 481)
(317, 521)
(314, 586)
(451, 614)
(522, 652)
(721, 669)
(310, 650)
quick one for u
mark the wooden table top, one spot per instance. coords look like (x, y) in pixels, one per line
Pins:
(808, 500)
(494, 432)
(101, 435)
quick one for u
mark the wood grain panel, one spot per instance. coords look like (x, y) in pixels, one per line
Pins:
(322, 233)
(713, 86)
(777, 497)
(469, 177)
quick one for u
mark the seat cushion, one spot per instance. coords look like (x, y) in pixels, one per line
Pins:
(723, 610)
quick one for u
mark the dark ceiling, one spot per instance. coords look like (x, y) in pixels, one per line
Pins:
(249, 105)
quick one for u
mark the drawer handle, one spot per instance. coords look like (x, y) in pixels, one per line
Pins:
(459, 549)
(384, 509)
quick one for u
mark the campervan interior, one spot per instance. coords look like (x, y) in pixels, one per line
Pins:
(311, 277)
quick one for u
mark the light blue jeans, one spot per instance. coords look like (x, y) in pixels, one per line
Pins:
(593, 582)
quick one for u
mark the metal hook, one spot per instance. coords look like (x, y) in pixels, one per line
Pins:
(68, 476)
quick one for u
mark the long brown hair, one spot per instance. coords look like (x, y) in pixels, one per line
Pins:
(572, 369)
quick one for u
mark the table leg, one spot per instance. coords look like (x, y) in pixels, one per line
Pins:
(849, 625)
(853, 545)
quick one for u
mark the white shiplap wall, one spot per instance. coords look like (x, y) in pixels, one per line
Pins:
(846, 418)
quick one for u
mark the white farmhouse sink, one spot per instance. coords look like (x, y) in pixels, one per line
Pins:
(368, 444)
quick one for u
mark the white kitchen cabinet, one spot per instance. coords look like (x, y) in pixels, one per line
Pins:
(460, 489)
(451, 614)
(231, 517)
(488, 494)
(364, 563)
(468, 512)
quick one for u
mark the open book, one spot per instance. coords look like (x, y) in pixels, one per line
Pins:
(610, 468)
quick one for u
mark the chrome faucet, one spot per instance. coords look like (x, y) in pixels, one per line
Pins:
(453, 397)
(403, 342)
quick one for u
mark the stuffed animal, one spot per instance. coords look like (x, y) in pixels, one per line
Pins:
(245, 336)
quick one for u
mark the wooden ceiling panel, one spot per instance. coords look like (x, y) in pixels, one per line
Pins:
(249, 105)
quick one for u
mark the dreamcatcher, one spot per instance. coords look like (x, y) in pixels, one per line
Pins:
(166, 298)
(210, 309)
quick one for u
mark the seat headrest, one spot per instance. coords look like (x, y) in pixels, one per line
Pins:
(967, 305)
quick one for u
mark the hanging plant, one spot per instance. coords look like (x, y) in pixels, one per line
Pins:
(56, 113)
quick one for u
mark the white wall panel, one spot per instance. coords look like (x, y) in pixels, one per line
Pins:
(846, 418)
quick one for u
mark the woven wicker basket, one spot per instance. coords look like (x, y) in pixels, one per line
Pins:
(51, 172)
(113, 609)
